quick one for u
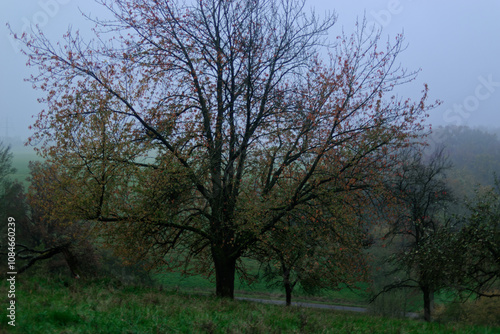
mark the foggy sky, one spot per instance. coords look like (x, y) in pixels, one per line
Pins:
(456, 44)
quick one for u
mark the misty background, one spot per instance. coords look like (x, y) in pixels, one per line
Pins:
(456, 44)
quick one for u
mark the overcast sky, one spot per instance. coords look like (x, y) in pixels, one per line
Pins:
(456, 44)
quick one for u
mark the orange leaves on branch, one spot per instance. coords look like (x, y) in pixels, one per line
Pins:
(207, 125)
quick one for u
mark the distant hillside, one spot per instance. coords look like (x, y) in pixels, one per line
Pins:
(474, 152)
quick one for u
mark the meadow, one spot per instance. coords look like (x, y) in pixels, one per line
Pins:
(173, 303)
(259, 288)
(63, 305)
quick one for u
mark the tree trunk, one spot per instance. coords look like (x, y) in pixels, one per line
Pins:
(225, 269)
(428, 302)
(288, 291)
(72, 262)
(288, 285)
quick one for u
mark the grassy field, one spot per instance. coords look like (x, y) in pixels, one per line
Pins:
(186, 305)
(61, 305)
(259, 288)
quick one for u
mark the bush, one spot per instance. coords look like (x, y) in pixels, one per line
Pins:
(482, 311)
(113, 266)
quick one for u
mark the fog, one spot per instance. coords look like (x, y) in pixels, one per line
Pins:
(455, 44)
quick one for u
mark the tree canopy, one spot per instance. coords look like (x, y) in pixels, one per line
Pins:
(186, 132)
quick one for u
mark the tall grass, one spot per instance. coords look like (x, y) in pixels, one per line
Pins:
(395, 304)
(484, 311)
(60, 305)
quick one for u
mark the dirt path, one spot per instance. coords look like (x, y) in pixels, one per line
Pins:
(313, 305)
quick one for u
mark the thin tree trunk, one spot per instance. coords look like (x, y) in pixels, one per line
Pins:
(288, 291)
(428, 302)
(287, 284)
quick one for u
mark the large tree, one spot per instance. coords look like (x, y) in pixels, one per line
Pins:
(195, 128)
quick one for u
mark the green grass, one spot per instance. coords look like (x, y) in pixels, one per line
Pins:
(198, 283)
(259, 288)
(184, 307)
(76, 306)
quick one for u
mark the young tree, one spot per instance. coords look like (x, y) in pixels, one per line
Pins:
(478, 243)
(319, 248)
(426, 248)
(197, 128)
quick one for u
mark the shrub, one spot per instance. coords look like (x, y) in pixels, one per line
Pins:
(482, 311)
